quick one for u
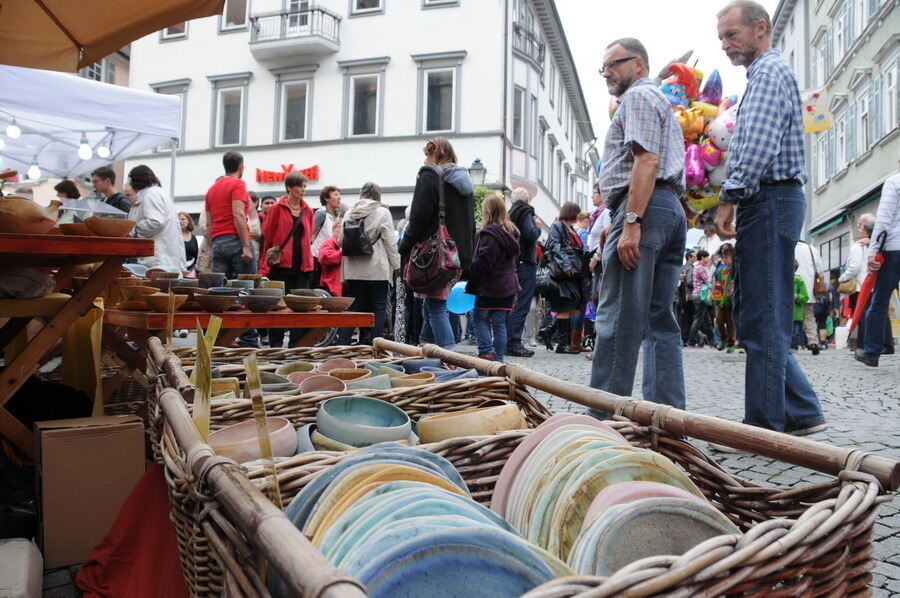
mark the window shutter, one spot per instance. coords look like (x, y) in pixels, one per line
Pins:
(875, 94)
(849, 18)
(829, 164)
(829, 52)
(872, 8)
(851, 135)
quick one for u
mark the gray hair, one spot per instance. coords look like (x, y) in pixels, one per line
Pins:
(370, 191)
(868, 223)
(634, 46)
(520, 194)
(751, 13)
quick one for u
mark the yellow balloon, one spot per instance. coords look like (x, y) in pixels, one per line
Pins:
(708, 110)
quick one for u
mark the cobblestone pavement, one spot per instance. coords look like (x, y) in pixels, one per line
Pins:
(861, 404)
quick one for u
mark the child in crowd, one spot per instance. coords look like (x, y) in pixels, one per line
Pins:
(330, 260)
(801, 296)
(723, 292)
(492, 277)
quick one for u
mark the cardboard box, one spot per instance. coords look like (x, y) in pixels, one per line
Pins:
(85, 469)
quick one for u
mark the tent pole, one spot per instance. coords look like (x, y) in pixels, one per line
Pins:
(172, 173)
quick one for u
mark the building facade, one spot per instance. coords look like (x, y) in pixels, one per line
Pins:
(853, 52)
(348, 91)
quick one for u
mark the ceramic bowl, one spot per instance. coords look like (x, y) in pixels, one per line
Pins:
(298, 303)
(362, 421)
(336, 303)
(130, 281)
(239, 441)
(254, 278)
(136, 269)
(158, 272)
(306, 292)
(189, 291)
(133, 306)
(286, 369)
(304, 442)
(483, 421)
(259, 303)
(240, 284)
(160, 301)
(377, 367)
(379, 382)
(298, 377)
(272, 284)
(136, 293)
(166, 284)
(79, 229)
(415, 365)
(224, 291)
(109, 227)
(189, 283)
(348, 374)
(214, 303)
(268, 292)
(412, 380)
(211, 279)
(271, 378)
(323, 443)
(337, 362)
(320, 383)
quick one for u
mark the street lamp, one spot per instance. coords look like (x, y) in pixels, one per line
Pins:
(477, 172)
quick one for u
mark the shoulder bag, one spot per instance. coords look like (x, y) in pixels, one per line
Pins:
(434, 263)
(273, 254)
(819, 286)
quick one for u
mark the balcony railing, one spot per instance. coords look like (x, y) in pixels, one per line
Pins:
(277, 34)
(582, 167)
(528, 43)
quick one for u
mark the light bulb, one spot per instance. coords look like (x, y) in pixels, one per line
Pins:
(34, 171)
(84, 150)
(13, 131)
(103, 151)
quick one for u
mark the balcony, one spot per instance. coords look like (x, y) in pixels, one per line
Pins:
(284, 34)
(529, 44)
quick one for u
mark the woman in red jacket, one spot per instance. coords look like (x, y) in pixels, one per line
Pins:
(330, 258)
(288, 225)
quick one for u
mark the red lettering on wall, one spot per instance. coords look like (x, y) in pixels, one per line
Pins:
(269, 176)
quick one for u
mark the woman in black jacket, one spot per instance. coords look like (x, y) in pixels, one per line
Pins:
(459, 204)
(564, 254)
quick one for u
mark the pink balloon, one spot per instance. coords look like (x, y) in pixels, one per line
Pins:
(711, 154)
(694, 172)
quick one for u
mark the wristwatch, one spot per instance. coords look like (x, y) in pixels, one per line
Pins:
(632, 218)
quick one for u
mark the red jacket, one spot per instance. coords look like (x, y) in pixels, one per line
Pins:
(330, 260)
(279, 222)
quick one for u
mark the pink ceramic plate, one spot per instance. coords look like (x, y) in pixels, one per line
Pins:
(298, 377)
(518, 456)
(321, 382)
(625, 492)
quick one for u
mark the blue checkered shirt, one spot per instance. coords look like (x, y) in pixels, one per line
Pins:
(644, 118)
(767, 145)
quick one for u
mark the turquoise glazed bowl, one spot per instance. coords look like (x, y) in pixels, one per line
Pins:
(361, 421)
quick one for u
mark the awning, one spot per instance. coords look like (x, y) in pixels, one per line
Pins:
(823, 227)
(867, 195)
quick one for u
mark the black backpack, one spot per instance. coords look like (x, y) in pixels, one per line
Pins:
(355, 241)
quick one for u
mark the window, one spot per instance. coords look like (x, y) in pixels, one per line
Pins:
(821, 153)
(93, 72)
(366, 7)
(298, 18)
(860, 17)
(177, 31)
(364, 105)
(559, 101)
(439, 3)
(536, 128)
(840, 139)
(228, 116)
(542, 161)
(890, 95)
(552, 82)
(293, 110)
(234, 17)
(838, 37)
(439, 100)
(518, 116)
(862, 127)
(835, 251)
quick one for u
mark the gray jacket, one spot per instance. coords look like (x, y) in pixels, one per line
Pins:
(379, 228)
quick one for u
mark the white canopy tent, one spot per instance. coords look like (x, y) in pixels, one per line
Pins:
(58, 112)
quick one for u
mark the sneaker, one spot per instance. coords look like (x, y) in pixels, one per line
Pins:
(520, 352)
(863, 357)
(488, 356)
(813, 429)
(723, 448)
(814, 349)
(729, 349)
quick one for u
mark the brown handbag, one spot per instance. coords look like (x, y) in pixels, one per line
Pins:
(819, 286)
(273, 254)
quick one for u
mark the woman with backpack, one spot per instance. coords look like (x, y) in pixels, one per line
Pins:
(439, 178)
(370, 259)
(492, 277)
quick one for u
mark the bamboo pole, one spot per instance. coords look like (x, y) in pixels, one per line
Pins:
(303, 568)
(818, 456)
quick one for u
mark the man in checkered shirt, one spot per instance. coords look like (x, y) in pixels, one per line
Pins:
(764, 179)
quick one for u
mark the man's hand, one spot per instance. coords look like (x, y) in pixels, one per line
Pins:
(874, 265)
(724, 221)
(247, 253)
(864, 242)
(629, 246)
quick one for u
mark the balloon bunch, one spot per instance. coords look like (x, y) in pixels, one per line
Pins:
(707, 123)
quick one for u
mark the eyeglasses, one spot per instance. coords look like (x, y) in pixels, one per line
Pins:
(607, 66)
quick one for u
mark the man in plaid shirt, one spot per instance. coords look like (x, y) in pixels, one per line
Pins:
(764, 179)
(640, 181)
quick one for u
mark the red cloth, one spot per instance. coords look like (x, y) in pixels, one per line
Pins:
(330, 258)
(138, 558)
(279, 222)
(218, 203)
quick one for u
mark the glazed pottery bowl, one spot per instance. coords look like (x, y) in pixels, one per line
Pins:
(191, 283)
(272, 284)
(337, 362)
(131, 281)
(136, 269)
(79, 229)
(214, 303)
(286, 369)
(211, 279)
(322, 382)
(414, 366)
(323, 443)
(240, 284)
(160, 301)
(298, 303)
(361, 421)
(224, 291)
(379, 382)
(482, 421)
(304, 442)
(254, 278)
(412, 380)
(298, 377)
(239, 441)
(166, 284)
(109, 227)
(269, 292)
(157, 273)
(258, 303)
(136, 293)
(347, 374)
(336, 303)
(306, 292)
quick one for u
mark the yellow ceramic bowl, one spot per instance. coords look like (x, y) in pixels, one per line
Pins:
(482, 421)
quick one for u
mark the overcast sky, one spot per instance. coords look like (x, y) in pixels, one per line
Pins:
(667, 29)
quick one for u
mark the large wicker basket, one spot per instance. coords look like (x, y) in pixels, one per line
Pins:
(812, 540)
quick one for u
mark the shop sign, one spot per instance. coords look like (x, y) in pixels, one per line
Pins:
(268, 176)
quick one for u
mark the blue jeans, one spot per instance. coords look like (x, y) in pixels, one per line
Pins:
(777, 394)
(877, 311)
(635, 307)
(436, 324)
(515, 322)
(489, 321)
(227, 258)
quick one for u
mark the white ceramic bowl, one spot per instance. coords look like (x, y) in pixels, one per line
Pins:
(482, 421)
(239, 441)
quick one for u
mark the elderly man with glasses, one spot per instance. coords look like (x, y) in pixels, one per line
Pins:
(641, 179)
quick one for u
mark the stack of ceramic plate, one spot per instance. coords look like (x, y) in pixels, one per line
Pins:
(400, 519)
(549, 483)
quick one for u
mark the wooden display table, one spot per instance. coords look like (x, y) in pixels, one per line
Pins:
(62, 254)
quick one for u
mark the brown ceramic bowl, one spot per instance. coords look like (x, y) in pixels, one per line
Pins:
(136, 293)
(78, 229)
(160, 301)
(297, 303)
(259, 303)
(336, 303)
(109, 227)
(215, 303)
